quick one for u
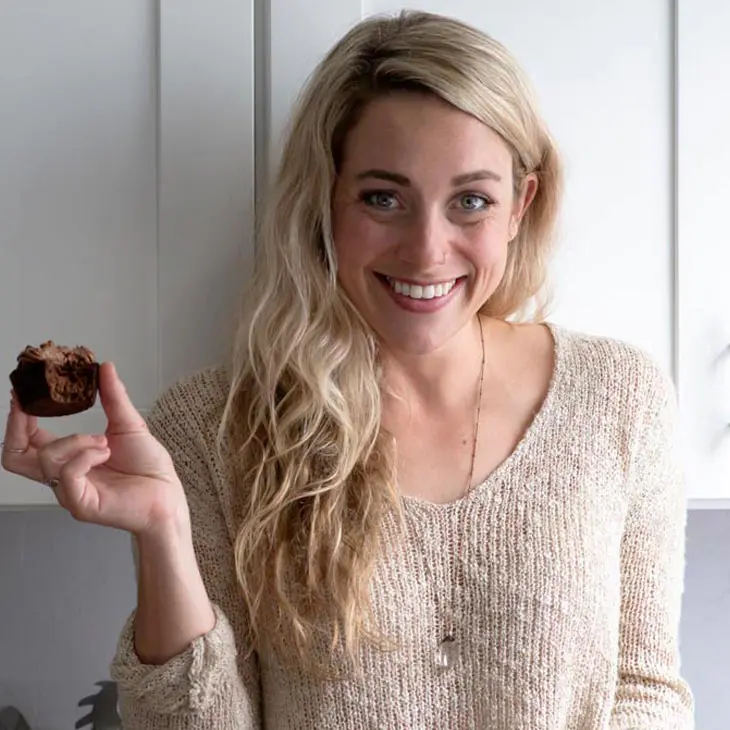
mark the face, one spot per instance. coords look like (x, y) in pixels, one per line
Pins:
(423, 214)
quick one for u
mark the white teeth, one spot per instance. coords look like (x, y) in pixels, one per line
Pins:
(416, 291)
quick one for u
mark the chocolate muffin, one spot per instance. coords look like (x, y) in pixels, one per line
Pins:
(52, 380)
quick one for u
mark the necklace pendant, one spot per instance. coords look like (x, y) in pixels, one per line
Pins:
(447, 652)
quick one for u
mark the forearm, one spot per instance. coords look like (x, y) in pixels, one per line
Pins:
(173, 607)
(177, 664)
(183, 659)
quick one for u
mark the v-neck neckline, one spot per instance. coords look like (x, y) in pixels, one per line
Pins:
(532, 432)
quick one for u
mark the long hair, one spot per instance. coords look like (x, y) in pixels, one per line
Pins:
(312, 467)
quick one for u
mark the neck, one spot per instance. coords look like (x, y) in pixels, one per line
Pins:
(437, 382)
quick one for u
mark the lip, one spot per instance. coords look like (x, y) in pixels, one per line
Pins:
(417, 282)
(421, 306)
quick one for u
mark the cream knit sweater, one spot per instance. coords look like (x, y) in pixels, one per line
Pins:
(572, 576)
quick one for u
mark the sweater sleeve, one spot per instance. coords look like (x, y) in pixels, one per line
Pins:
(214, 683)
(650, 693)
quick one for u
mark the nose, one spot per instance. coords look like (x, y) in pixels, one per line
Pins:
(424, 243)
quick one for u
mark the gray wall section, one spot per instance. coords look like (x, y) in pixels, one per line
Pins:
(66, 589)
(705, 628)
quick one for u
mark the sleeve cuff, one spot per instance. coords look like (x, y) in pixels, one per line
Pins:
(188, 682)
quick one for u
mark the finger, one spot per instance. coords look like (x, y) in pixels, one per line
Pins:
(123, 417)
(54, 455)
(74, 491)
(22, 439)
(36, 437)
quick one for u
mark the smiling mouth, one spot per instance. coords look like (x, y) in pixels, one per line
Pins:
(420, 291)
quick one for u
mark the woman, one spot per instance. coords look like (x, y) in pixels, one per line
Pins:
(396, 507)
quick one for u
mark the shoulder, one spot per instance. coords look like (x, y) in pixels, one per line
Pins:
(614, 396)
(185, 419)
(192, 406)
(616, 367)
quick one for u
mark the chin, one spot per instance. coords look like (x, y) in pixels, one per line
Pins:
(421, 339)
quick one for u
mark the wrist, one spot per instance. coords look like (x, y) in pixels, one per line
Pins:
(171, 532)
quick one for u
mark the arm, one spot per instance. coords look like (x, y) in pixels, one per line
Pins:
(173, 608)
(183, 660)
(651, 694)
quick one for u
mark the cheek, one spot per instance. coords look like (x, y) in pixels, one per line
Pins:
(487, 242)
(358, 239)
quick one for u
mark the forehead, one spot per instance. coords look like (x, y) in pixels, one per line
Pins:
(407, 128)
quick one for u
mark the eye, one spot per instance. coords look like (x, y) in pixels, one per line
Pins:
(473, 202)
(379, 199)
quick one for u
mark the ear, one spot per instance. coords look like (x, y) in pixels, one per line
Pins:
(528, 189)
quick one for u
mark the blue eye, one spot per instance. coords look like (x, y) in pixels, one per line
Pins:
(380, 199)
(472, 202)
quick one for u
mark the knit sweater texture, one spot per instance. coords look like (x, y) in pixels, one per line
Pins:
(570, 578)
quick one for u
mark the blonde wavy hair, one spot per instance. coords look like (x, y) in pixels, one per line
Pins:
(312, 467)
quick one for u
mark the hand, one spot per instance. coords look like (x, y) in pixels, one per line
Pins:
(123, 478)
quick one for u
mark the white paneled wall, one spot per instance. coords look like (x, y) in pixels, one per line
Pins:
(612, 88)
(129, 157)
(602, 74)
(703, 267)
(78, 208)
(126, 188)
(206, 173)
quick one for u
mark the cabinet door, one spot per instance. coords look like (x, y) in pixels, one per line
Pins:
(603, 74)
(704, 245)
(603, 77)
(126, 188)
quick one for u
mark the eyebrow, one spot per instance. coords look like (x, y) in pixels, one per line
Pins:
(399, 179)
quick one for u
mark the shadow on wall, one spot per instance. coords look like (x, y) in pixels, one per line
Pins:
(103, 714)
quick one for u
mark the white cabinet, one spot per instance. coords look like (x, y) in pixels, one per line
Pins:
(602, 74)
(78, 220)
(703, 187)
(128, 157)
(126, 187)
(641, 224)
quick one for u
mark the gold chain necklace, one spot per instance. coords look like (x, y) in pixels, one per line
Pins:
(448, 649)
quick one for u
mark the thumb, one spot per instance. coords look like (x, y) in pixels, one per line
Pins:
(123, 417)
